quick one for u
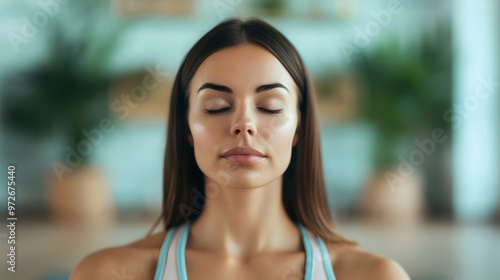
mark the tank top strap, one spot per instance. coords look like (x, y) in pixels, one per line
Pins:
(321, 267)
(167, 266)
(171, 262)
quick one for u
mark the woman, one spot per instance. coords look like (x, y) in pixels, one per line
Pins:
(244, 194)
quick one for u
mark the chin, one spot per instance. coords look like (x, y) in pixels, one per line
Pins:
(244, 181)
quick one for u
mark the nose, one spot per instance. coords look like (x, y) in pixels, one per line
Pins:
(244, 123)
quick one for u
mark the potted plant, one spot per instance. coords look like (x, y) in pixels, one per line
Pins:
(59, 95)
(405, 97)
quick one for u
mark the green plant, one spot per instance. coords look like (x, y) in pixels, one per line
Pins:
(58, 94)
(406, 93)
(271, 7)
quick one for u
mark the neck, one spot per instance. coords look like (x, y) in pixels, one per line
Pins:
(244, 222)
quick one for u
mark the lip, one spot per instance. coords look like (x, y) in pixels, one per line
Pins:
(243, 159)
(243, 151)
(243, 155)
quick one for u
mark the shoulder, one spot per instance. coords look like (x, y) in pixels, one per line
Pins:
(350, 262)
(134, 260)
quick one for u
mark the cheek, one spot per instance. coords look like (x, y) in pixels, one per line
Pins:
(206, 135)
(279, 131)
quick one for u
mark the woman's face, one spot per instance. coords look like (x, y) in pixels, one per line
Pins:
(254, 100)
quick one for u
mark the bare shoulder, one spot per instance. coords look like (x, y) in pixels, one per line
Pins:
(350, 262)
(134, 260)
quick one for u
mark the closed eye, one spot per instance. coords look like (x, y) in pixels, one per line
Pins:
(271, 112)
(215, 112)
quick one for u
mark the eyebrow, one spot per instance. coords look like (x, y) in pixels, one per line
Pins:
(228, 90)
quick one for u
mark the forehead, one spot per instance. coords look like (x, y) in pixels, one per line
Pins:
(240, 66)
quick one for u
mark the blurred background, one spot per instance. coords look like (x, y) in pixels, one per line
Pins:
(408, 93)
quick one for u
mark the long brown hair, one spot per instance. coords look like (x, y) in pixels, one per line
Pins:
(304, 193)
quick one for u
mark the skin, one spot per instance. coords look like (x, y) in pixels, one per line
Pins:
(243, 232)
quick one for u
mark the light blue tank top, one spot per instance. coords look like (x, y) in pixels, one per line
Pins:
(172, 263)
